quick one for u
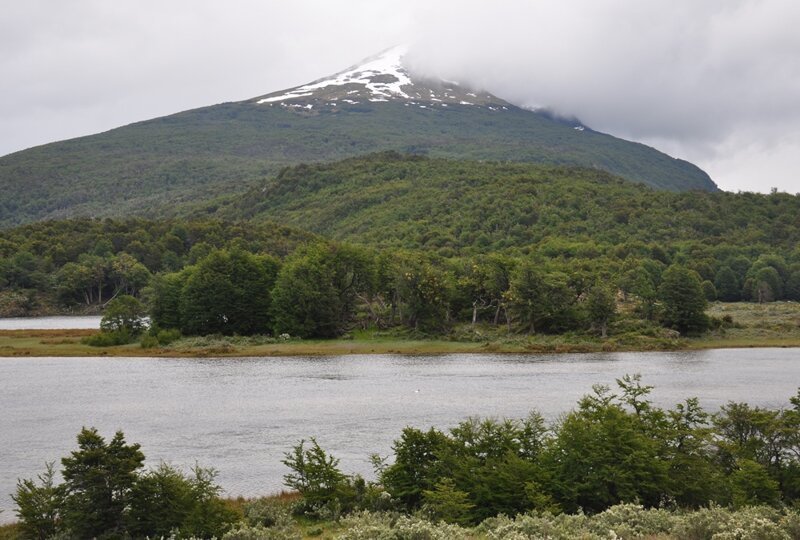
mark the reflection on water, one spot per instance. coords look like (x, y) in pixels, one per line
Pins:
(240, 415)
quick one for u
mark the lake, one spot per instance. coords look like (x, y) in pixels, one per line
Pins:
(240, 415)
(50, 323)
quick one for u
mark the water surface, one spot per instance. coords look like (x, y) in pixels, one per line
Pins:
(241, 414)
(50, 323)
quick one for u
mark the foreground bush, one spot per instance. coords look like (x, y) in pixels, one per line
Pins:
(105, 494)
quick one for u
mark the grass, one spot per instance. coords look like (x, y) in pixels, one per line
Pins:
(767, 325)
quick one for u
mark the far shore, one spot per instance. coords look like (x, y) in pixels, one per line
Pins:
(757, 325)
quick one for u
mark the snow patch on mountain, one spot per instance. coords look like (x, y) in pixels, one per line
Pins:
(383, 76)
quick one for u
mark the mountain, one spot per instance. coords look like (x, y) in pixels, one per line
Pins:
(156, 167)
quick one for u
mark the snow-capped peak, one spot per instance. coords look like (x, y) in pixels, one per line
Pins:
(382, 75)
(380, 78)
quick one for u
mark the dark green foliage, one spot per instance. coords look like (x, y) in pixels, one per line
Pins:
(39, 506)
(426, 290)
(752, 485)
(315, 475)
(105, 495)
(540, 300)
(109, 339)
(417, 465)
(227, 292)
(165, 299)
(709, 290)
(316, 290)
(161, 500)
(765, 285)
(613, 448)
(601, 307)
(684, 302)
(727, 285)
(461, 207)
(603, 455)
(98, 480)
(793, 286)
(446, 503)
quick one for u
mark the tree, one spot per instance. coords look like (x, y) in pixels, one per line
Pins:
(541, 301)
(447, 503)
(417, 466)
(709, 291)
(425, 291)
(314, 474)
(601, 307)
(124, 314)
(766, 285)
(316, 291)
(98, 480)
(128, 274)
(74, 282)
(228, 292)
(752, 485)
(164, 294)
(640, 283)
(161, 500)
(727, 285)
(39, 506)
(793, 286)
(683, 300)
(603, 455)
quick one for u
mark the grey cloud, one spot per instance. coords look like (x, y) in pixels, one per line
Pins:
(716, 82)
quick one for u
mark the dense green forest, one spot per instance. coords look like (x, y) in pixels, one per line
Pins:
(616, 466)
(80, 264)
(467, 207)
(424, 244)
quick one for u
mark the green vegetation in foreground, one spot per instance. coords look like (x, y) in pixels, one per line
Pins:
(775, 324)
(614, 467)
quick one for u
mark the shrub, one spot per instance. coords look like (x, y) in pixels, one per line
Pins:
(148, 342)
(108, 339)
(39, 506)
(165, 337)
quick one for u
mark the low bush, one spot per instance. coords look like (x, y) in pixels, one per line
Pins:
(109, 339)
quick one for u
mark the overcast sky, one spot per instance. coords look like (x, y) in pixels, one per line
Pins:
(716, 82)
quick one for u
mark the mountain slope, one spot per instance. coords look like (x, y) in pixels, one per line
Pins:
(463, 207)
(151, 168)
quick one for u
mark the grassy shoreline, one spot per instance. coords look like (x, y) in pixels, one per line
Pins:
(766, 325)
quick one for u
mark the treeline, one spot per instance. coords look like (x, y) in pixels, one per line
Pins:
(323, 290)
(615, 461)
(315, 288)
(83, 263)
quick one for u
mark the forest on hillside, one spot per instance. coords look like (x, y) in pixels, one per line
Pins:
(425, 244)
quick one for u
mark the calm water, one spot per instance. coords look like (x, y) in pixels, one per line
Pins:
(241, 415)
(49, 323)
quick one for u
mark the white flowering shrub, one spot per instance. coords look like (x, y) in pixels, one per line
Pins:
(384, 526)
(259, 532)
(632, 521)
(545, 525)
